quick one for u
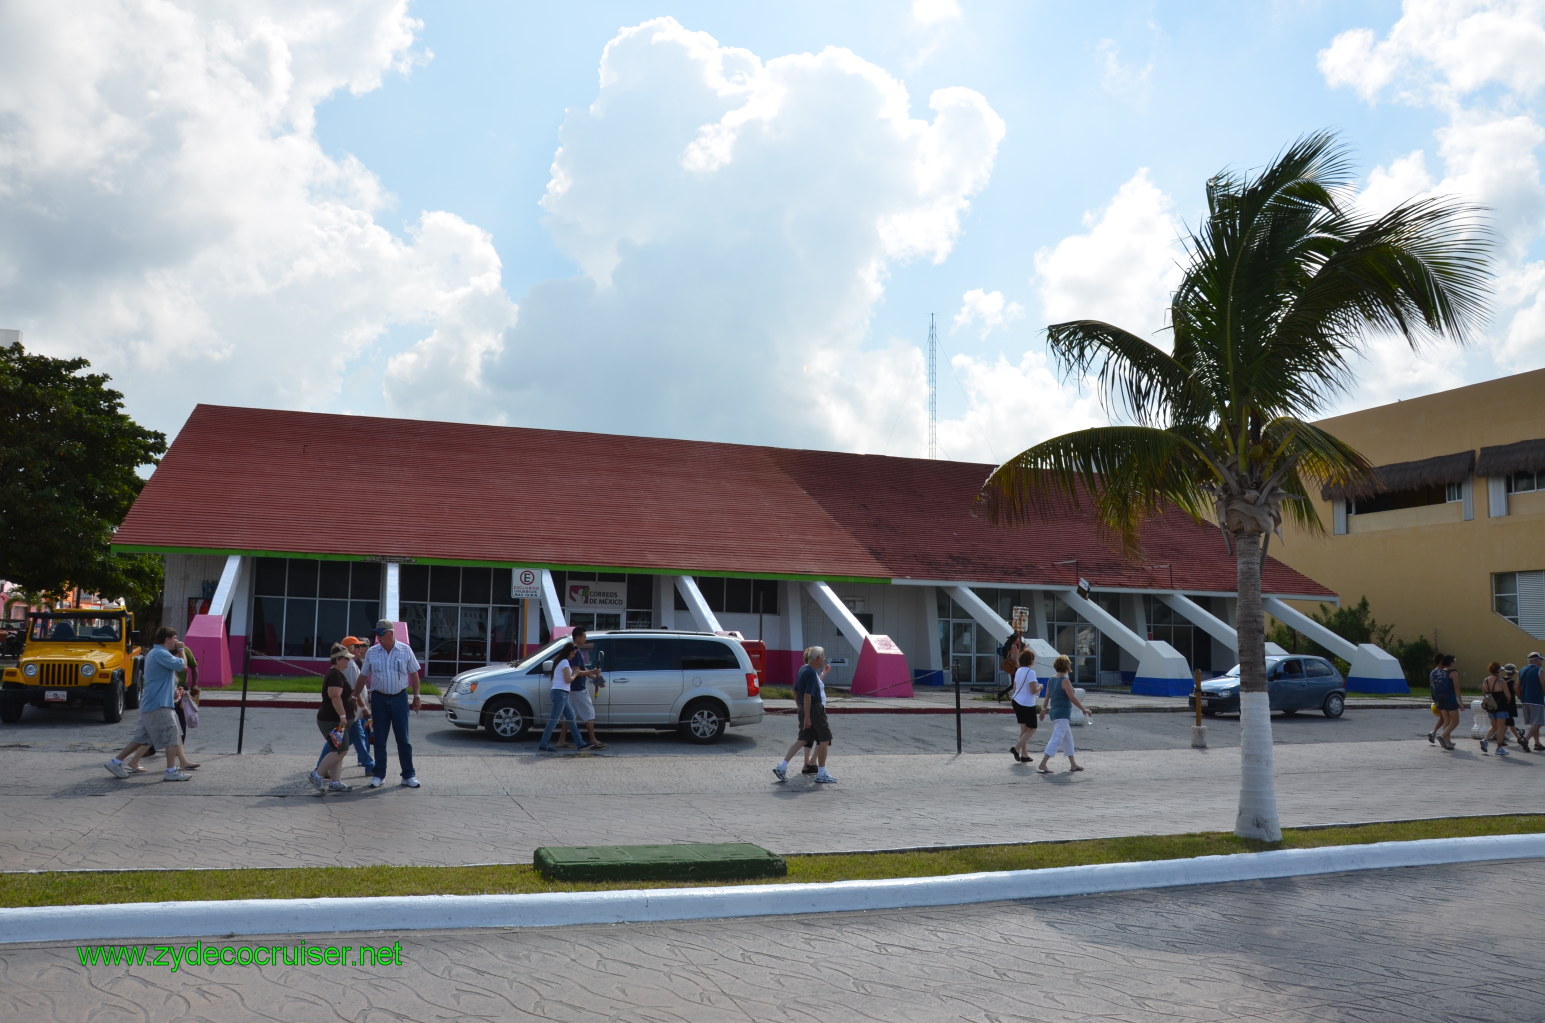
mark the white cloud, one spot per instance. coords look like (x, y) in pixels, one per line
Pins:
(736, 219)
(929, 13)
(1012, 405)
(987, 308)
(1482, 65)
(166, 210)
(1441, 51)
(1123, 269)
(1124, 80)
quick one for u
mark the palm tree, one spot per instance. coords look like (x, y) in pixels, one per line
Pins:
(1282, 283)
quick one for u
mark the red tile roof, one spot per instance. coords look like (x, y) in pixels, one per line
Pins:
(256, 480)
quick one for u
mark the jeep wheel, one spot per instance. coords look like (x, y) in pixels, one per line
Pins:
(112, 704)
(704, 722)
(507, 719)
(11, 710)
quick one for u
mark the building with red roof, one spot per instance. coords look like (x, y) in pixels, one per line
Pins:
(288, 530)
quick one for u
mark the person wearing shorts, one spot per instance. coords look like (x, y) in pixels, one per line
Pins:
(579, 696)
(1444, 681)
(157, 720)
(814, 730)
(1026, 699)
(1531, 699)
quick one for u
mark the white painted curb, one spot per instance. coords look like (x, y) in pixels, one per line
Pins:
(450, 912)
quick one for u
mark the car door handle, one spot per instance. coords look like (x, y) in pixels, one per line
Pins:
(619, 680)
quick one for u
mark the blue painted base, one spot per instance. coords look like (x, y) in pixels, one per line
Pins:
(925, 677)
(1162, 686)
(1356, 684)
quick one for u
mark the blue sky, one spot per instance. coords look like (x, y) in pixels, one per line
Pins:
(353, 207)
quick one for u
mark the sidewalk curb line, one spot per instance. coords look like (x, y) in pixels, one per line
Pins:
(245, 917)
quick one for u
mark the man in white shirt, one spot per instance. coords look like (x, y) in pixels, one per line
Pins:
(390, 673)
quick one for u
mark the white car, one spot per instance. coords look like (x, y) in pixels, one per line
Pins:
(697, 682)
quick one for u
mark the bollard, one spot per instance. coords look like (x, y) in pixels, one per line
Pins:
(1198, 730)
(1077, 717)
(1482, 723)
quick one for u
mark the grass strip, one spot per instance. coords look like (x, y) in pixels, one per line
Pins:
(289, 684)
(82, 888)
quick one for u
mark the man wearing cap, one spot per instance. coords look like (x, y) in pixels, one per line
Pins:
(391, 675)
(1531, 696)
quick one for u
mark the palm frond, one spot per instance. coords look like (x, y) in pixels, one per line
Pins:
(1123, 474)
(1133, 373)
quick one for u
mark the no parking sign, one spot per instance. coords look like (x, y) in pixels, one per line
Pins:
(526, 584)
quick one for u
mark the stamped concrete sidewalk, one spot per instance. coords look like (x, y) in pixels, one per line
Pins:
(63, 811)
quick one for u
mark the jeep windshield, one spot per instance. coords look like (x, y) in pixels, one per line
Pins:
(75, 629)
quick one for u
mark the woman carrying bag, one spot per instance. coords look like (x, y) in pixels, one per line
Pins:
(1027, 692)
(1060, 701)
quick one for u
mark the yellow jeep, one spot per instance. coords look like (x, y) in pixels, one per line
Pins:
(72, 659)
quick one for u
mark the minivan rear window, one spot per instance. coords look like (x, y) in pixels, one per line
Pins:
(707, 655)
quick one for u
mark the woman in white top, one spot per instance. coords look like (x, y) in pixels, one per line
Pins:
(1026, 693)
(563, 680)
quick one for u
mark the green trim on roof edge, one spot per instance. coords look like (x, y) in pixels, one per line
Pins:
(552, 567)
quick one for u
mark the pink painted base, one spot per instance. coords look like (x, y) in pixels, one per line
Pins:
(206, 638)
(781, 667)
(882, 670)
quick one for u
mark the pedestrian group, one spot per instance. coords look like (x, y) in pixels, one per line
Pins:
(1512, 700)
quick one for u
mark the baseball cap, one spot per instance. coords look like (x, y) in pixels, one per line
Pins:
(1537, 654)
(349, 642)
(385, 625)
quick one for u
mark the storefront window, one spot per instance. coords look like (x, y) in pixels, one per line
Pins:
(302, 606)
(460, 617)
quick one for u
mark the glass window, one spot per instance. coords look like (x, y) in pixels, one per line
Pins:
(444, 584)
(413, 582)
(268, 626)
(475, 583)
(641, 591)
(1525, 482)
(624, 653)
(363, 615)
(1391, 500)
(1455, 492)
(472, 636)
(504, 634)
(1319, 669)
(300, 632)
(332, 624)
(737, 596)
(1292, 669)
(269, 577)
(366, 580)
(333, 579)
(764, 596)
(303, 578)
(707, 655)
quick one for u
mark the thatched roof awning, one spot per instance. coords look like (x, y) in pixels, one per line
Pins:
(1424, 472)
(1506, 459)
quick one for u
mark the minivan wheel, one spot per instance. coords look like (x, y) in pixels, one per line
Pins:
(507, 719)
(704, 722)
(1335, 703)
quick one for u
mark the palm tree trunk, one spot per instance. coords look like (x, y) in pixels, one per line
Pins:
(1257, 782)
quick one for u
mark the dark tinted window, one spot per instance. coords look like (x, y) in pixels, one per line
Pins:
(270, 577)
(1291, 669)
(413, 582)
(706, 655)
(474, 585)
(367, 580)
(640, 653)
(640, 591)
(303, 578)
(1318, 669)
(334, 579)
(444, 584)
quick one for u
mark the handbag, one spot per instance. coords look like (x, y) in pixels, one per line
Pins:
(189, 712)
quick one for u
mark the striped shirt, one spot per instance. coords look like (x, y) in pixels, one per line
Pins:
(388, 670)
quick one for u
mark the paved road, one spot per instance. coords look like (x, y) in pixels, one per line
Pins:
(1431, 945)
(270, 730)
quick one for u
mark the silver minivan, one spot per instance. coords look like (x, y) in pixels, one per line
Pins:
(697, 682)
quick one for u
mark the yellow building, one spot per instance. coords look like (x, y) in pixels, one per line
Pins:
(1453, 545)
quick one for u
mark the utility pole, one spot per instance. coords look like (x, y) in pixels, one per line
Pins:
(933, 388)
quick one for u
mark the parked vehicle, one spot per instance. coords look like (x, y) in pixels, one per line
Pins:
(699, 683)
(1293, 683)
(74, 659)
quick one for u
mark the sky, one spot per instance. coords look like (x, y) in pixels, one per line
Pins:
(726, 222)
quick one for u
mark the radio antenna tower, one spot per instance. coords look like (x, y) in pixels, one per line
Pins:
(933, 389)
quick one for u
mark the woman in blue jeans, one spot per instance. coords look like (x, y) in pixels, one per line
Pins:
(563, 679)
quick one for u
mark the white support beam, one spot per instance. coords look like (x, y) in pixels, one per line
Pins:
(225, 591)
(1203, 619)
(851, 628)
(1297, 620)
(664, 602)
(391, 595)
(1107, 623)
(551, 605)
(1161, 670)
(697, 606)
(983, 614)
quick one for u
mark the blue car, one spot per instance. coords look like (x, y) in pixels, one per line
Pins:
(1295, 682)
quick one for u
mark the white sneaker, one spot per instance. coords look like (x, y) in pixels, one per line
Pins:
(780, 771)
(339, 786)
(410, 783)
(175, 774)
(315, 780)
(118, 770)
(375, 782)
(825, 779)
